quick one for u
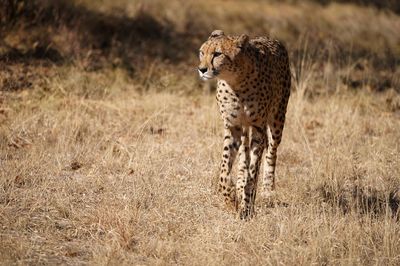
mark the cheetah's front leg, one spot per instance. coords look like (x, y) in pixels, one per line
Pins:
(231, 144)
(253, 158)
(243, 166)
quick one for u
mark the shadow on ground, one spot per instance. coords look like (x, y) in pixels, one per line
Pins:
(392, 5)
(118, 38)
(362, 200)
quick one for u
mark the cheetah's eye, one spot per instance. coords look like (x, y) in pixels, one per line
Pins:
(216, 54)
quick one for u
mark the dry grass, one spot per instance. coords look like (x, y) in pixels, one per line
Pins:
(108, 167)
(130, 179)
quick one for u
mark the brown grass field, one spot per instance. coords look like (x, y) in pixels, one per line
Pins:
(110, 145)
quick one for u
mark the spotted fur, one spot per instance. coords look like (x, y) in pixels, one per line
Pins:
(252, 95)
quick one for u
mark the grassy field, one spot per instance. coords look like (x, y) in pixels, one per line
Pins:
(110, 145)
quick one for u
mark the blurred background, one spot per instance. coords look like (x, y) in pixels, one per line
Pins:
(355, 44)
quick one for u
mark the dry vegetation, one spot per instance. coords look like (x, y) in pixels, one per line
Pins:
(109, 145)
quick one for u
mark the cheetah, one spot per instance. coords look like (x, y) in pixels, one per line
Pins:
(253, 90)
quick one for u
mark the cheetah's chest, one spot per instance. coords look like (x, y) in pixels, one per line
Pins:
(239, 108)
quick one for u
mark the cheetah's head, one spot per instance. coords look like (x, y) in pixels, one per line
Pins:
(220, 55)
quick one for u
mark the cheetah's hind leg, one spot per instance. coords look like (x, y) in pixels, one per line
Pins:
(274, 133)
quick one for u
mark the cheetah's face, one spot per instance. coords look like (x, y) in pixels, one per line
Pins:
(218, 55)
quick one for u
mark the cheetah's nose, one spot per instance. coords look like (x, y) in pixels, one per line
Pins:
(203, 70)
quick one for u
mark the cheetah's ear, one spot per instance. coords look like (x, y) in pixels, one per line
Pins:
(216, 34)
(242, 40)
